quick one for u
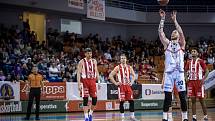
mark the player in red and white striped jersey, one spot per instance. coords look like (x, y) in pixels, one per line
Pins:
(87, 74)
(125, 76)
(196, 73)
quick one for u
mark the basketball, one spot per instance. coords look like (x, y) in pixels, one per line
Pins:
(163, 2)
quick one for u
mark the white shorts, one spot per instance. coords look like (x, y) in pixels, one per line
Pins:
(176, 78)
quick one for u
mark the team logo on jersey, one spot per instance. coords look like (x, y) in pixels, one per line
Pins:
(6, 92)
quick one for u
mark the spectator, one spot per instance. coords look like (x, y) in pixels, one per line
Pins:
(210, 59)
(54, 73)
(2, 76)
(108, 56)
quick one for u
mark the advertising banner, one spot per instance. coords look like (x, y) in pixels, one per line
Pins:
(112, 91)
(76, 4)
(152, 92)
(77, 105)
(72, 92)
(46, 106)
(11, 107)
(52, 91)
(96, 9)
(148, 104)
(9, 91)
(137, 91)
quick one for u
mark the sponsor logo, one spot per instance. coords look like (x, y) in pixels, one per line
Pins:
(46, 107)
(109, 106)
(10, 107)
(148, 92)
(153, 104)
(54, 89)
(112, 92)
(48, 89)
(153, 92)
(6, 92)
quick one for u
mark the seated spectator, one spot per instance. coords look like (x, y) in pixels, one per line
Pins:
(210, 59)
(54, 73)
(2, 76)
(68, 72)
(25, 71)
(18, 78)
(9, 78)
(102, 78)
(108, 56)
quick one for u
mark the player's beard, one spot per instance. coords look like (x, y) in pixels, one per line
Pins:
(89, 57)
(175, 40)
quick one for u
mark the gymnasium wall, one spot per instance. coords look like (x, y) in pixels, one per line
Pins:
(194, 25)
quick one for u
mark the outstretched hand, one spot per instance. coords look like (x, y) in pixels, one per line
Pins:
(173, 15)
(162, 13)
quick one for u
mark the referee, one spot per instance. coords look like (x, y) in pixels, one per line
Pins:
(35, 82)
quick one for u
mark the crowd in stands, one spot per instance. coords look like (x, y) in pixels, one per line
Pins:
(57, 57)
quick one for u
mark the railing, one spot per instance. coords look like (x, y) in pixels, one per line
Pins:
(155, 8)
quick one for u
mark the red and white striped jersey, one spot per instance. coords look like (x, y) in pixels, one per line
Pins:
(196, 69)
(123, 74)
(88, 69)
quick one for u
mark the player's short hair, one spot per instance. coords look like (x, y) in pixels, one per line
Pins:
(195, 49)
(123, 54)
(87, 50)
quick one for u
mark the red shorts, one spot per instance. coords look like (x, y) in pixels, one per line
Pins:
(125, 93)
(195, 89)
(89, 88)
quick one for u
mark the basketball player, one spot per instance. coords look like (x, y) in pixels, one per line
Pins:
(174, 65)
(125, 76)
(169, 113)
(197, 72)
(87, 74)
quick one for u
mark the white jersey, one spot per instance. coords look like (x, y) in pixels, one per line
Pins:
(174, 57)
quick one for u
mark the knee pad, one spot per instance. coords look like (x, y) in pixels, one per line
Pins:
(121, 107)
(85, 101)
(182, 96)
(94, 100)
(131, 105)
(167, 101)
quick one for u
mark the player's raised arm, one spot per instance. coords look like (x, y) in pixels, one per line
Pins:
(182, 41)
(161, 33)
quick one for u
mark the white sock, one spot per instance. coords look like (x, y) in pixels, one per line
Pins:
(165, 115)
(122, 115)
(91, 112)
(206, 116)
(194, 116)
(86, 115)
(169, 116)
(184, 115)
(132, 114)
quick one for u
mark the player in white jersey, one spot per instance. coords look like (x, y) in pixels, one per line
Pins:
(174, 65)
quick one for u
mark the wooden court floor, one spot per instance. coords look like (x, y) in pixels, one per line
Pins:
(142, 115)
